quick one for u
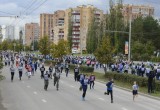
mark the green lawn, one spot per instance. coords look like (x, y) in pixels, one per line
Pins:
(1, 77)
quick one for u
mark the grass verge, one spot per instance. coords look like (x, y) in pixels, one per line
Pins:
(144, 90)
(1, 77)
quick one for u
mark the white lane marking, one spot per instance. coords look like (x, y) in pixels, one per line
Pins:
(71, 86)
(43, 100)
(28, 86)
(35, 92)
(101, 99)
(124, 108)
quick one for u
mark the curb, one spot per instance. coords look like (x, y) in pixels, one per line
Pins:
(146, 95)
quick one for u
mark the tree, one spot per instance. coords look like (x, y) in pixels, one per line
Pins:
(70, 27)
(61, 49)
(104, 53)
(44, 45)
(92, 36)
(115, 22)
(5, 45)
(36, 46)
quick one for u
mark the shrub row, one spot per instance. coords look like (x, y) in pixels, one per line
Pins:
(155, 59)
(48, 62)
(83, 69)
(129, 78)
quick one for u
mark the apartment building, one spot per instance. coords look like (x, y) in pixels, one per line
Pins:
(81, 17)
(10, 32)
(31, 33)
(135, 11)
(52, 25)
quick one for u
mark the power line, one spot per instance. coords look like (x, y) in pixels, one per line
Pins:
(33, 10)
(7, 13)
(29, 6)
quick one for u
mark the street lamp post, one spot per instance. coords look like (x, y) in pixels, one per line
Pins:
(130, 30)
(14, 44)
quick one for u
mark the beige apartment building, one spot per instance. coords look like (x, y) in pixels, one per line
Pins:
(80, 17)
(31, 33)
(52, 25)
(135, 11)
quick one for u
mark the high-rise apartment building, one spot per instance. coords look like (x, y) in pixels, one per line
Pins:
(10, 32)
(52, 25)
(135, 11)
(31, 33)
(81, 17)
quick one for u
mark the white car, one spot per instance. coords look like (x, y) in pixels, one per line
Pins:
(74, 50)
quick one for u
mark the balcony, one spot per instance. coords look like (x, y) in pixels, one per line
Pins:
(75, 13)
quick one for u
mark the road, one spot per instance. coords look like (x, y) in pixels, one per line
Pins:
(30, 95)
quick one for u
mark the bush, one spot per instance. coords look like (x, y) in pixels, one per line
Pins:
(155, 59)
(129, 78)
(83, 69)
(48, 62)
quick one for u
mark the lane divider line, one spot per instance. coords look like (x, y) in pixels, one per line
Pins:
(124, 108)
(35, 92)
(71, 86)
(43, 100)
(101, 99)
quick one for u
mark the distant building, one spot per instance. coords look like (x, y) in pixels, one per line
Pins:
(52, 25)
(81, 17)
(10, 32)
(31, 33)
(136, 11)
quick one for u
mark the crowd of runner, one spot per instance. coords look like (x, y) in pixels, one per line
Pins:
(25, 64)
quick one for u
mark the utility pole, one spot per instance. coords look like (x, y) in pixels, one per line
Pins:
(130, 30)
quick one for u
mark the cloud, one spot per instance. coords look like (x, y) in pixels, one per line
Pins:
(18, 6)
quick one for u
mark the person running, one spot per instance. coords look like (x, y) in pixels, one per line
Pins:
(135, 90)
(50, 71)
(29, 71)
(35, 66)
(12, 69)
(92, 79)
(56, 78)
(46, 81)
(20, 69)
(110, 88)
(61, 67)
(42, 69)
(66, 69)
(76, 72)
(84, 83)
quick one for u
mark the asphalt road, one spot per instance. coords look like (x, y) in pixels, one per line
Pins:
(30, 95)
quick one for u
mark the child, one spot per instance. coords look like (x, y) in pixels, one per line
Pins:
(135, 90)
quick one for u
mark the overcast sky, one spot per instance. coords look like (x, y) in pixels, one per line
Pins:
(27, 11)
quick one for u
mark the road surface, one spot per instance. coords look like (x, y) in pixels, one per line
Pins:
(30, 95)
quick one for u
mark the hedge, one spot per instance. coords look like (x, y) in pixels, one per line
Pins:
(48, 62)
(129, 78)
(83, 69)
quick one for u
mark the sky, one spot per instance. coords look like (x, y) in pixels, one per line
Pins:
(29, 10)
